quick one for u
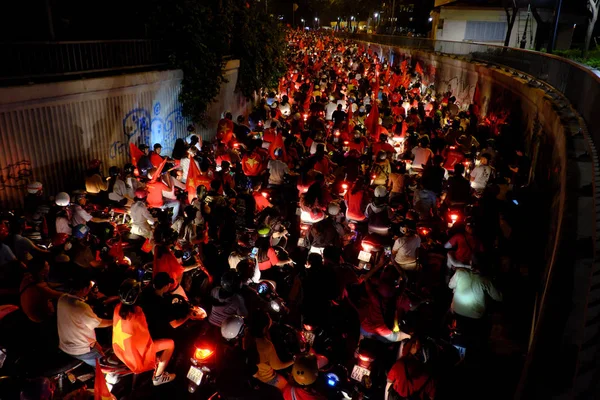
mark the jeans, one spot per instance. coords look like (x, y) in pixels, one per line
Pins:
(89, 358)
(175, 205)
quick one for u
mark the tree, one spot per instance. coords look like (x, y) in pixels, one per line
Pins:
(511, 9)
(592, 6)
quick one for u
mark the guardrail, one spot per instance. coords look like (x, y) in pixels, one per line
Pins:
(30, 60)
(581, 87)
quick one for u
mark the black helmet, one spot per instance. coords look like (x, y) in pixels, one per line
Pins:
(113, 171)
(129, 291)
(231, 282)
(128, 168)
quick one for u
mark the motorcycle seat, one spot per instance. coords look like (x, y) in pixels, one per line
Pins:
(50, 365)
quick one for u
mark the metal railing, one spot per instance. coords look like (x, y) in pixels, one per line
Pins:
(30, 60)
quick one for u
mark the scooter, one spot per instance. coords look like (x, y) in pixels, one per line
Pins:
(373, 246)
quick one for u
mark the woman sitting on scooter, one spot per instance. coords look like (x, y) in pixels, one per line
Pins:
(355, 201)
(314, 201)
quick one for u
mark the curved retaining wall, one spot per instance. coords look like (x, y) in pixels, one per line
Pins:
(562, 172)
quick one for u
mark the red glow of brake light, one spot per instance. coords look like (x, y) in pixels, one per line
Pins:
(344, 186)
(202, 354)
(454, 217)
(352, 226)
(367, 247)
(305, 116)
(452, 147)
(365, 358)
(304, 227)
(346, 143)
(265, 194)
(236, 145)
(374, 176)
(308, 327)
(337, 133)
(425, 232)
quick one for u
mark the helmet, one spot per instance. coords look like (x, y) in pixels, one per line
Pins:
(113, 171)
(380, 191)
(305, 370)
(141, 194)
(95, 163)
(230, 281)
(128, 168)
(62, 199)
(129, 291)
(264, 231)
(3, 231)
(34, 187)
(232, 327)
(80, 231)
(333, 209)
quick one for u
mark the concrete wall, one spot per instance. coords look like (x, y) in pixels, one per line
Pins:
(49, 132)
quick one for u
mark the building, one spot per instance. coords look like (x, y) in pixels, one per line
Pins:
(485, 21)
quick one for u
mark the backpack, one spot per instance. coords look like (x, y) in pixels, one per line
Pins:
(379, 219)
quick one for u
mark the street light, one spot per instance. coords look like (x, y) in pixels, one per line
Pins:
(430, 19)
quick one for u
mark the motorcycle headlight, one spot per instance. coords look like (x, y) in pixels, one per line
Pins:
(275, 306)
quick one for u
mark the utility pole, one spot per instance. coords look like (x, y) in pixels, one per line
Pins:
(552, 43)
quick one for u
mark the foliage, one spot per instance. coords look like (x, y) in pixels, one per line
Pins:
(258, 41)
(201, 35)
(592, 61)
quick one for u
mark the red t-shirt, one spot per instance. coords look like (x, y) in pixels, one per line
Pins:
(169, 264)
(466, 247)
(155, 197)
(360, 147)
(354, 203)
(377, 147)
(322, 166)
(297, 393)
(252, 164)
(374, 321)
(419, 382)
(270, 261)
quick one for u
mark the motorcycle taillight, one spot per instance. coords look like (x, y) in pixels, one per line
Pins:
(367, 247)
(203, 354)
(308, 327)
(453, 217)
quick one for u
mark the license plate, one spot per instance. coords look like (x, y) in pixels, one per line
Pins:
(195, 375)
(461, 351)
(301, 242)
(298, 211)
(309, 337)
(364, 256)
(358, 372)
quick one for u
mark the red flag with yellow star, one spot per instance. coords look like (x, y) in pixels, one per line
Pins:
(192, 181)
(372, 121)
(131, 341)
(419, 69)
(225, 130)
(135, 153)
(101, 391)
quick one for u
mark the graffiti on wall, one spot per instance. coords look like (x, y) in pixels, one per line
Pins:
(141, 125)
(15, 176)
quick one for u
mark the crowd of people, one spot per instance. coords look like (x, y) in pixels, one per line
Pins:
(350, 148)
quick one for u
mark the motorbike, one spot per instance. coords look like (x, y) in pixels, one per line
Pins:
(202, 365)
(373, 247)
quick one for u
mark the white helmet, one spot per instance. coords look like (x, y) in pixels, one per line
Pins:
(333, 209)
(232, 327)
(34, 187)
(62, 199)
(380, 191)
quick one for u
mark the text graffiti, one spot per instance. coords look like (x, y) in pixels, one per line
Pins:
(15, 176)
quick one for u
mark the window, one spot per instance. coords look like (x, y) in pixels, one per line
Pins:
(479, 31)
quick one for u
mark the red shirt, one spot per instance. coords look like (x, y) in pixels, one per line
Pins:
(322, 166)
(155, 197)
(169, 264)
(377, 147)
(466, 247)
(297, 393)
(252, 164)
(269, 135)
(453, 157)
(360, 147)
(270, 261)
(354, 202)
(374, 321)
(417, 381)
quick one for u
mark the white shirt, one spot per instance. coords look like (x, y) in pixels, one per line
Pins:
(119, 191)
(63, 226)
(422, 156)
(269, 121)
(331, 107)
(76, 323)
(80, 216)
(406, 248)
(470, 293)
(277, 170)
(141, 219)
(481, 175)
(285, 109)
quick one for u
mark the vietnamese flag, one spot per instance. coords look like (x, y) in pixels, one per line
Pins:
(116, 251)
(158, 171)
(306, 105)
(131, 341)
(101, 391)
(418, 69)
(225, 130)
(168, 263)
(135, 153)
(192, 180)
(305, 60)
(277, 143)
(403, 66)
(372, 121)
